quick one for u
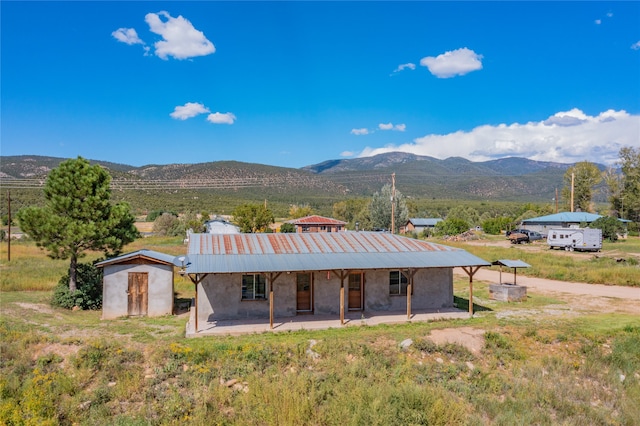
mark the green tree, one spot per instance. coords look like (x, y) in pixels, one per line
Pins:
(296, 211)
(625, 191)
(380, 209)
(353, 211)
(610, 227)
(78, 215)
(252, 218)
(166, 225)
(288, 228)
(586, 176)
(468, 214)
(452, 226)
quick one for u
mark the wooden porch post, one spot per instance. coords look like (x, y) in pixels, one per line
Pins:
(271, 304)
(341, 300)
(410, 274)
(272, 278)
(196, 279)
(342, 274)
(470, 270)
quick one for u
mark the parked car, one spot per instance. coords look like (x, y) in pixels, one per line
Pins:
(519, 236)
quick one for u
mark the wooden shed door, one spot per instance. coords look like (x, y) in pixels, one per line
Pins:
(303, 293)
(138, 293)
(355, 291)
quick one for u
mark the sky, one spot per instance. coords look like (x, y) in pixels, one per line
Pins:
(295, 83)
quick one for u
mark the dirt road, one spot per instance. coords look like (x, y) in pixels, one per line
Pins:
(552, 286)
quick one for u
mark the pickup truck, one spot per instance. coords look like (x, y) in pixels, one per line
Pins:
(519, 236)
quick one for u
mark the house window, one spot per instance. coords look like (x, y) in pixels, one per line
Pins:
(305, 228)
(397, 283)
(254, 287)
(323, 228)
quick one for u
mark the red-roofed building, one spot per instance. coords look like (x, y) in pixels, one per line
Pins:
(317, 223)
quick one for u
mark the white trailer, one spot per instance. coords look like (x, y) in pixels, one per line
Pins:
(583, 239)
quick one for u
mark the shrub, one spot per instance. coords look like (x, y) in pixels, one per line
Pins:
(288, 228)
(89, 292)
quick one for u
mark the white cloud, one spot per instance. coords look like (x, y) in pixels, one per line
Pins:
(598, 21)
(610, 15)
(636, 45)
(188, 110)
(452, 63)
(180, 39)
(220, 118)
(362, 131)
(347, 154)
(127, 35)
(565, 137)
(390, 126)
(402, 67)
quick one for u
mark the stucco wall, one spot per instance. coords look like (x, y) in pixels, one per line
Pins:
(220, 296)
(116, 284)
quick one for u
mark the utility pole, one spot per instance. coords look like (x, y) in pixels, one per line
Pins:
(9, 226)
(572, 179)
(393, 203)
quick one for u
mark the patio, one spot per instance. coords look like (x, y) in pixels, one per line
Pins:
(315, 322)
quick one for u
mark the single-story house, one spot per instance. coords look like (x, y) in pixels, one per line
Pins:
(317, 223)
(137, 284)
(419, 224)
(543, 224)
(250, 276)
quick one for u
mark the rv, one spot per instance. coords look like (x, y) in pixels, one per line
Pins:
(584, 239)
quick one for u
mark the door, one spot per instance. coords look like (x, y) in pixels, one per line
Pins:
(303, 293)
(355, 291)
(138, 293)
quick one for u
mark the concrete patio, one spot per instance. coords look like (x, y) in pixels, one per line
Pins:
(315, 322)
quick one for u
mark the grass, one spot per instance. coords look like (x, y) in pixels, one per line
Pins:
(593, 268)
(65, 367)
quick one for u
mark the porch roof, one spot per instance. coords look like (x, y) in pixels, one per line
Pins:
(283, 252)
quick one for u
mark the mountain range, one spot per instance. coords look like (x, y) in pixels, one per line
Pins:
(513, 178)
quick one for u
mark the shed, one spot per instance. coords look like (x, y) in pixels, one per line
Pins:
(251, 276)
(137, 284)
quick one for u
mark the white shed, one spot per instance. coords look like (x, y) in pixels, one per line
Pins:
(137, 284)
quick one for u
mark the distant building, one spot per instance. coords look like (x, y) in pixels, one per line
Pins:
(220, 225)
(419, 225)
(317, 223)
(543, 224)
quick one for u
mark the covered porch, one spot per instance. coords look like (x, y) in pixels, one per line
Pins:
(315, 322)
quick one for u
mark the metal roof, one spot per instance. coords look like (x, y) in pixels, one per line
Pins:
(282, 252)
(317, 220)
(425, 221)
(144, 253)
(571, 217)
(511, 263)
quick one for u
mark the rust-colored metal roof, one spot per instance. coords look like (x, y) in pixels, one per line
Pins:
(213, 253)
(317, 220)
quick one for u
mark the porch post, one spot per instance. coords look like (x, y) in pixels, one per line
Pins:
(272, 278)
(411, 273)
(271, 304)
(471, 272)
(196, 286)
(341, 299)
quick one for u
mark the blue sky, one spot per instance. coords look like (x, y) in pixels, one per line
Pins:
(297, 83)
